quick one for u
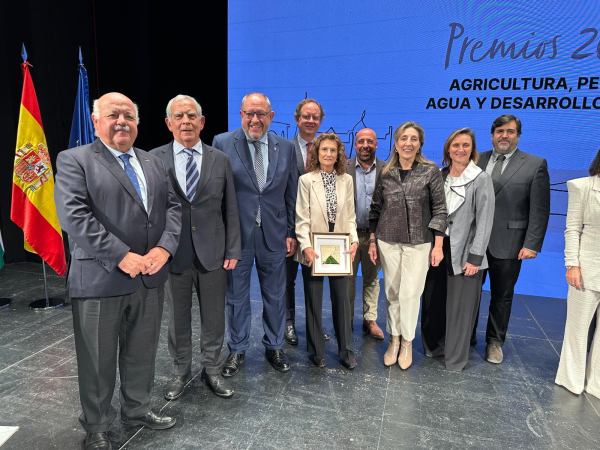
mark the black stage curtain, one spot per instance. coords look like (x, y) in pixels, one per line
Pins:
(147, 50)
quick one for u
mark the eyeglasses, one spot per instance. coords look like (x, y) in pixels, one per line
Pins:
(308, 117)
(259, 114)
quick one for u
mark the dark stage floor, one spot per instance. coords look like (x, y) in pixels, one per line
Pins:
(512, 405)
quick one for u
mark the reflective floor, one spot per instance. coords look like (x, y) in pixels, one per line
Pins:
(512, 405)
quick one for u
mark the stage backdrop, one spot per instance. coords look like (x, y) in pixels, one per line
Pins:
(445, 65)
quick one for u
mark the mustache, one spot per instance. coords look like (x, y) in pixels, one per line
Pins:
(121, 127)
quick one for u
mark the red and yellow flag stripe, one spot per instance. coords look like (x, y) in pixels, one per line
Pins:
(33, 208)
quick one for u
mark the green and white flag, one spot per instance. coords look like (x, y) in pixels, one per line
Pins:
(1, 251)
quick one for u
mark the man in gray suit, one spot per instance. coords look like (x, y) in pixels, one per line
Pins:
(123, 220)
(308, 114)
(522, 188)
(364, 169)
(209, 245)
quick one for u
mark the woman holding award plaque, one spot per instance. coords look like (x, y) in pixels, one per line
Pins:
(325, 204)
(408, 215)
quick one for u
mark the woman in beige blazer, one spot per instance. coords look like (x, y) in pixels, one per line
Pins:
(582, 259)
(325, 203)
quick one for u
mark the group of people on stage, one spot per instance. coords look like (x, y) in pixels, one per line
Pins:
(148, 226)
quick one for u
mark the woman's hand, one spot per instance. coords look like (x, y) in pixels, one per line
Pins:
(470, 269)
(574, 277)
(436, 256)
(309, 255)
(373, 252)
(352, 251)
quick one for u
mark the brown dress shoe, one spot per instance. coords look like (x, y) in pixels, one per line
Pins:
(391, 355)
(371, 327)
(405, 358)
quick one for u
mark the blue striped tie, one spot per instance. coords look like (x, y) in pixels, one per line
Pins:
(259, 169)
(191, 173)
(131, 173)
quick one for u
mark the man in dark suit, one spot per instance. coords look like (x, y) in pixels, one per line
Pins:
(363, 169)
(308, 114)
(209, 245)
(266, 182)
(123, 220)
(522, 188)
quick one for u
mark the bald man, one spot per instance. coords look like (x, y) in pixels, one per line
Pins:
(123, 219)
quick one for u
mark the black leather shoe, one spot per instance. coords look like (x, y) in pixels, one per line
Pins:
(217, 384)
(326, 336)
(349, 364)
(278, 360)
(151, 420)
(318, 361)
(96, 441)
(290, 335)
(174, 387)
(232, 364)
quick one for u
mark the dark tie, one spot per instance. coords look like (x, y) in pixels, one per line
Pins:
(259, 169)
(308, 146)
(131, 173)
(497, 170)
(192, 176)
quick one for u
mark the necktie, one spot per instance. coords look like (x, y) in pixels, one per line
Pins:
(308, 146)
(131, 173)
(259, 169)
(497, 170)
(192, 176)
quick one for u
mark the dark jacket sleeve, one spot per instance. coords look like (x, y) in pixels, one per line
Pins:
(539, 208)
(233, 240)
(437, 201)
(376, 204)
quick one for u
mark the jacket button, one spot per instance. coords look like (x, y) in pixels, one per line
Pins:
(192, 207)
(193, 228)
(150, 225)
(450, 222)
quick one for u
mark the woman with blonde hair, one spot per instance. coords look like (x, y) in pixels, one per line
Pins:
(407, 224)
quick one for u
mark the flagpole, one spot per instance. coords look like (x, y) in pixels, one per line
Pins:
(48, 302)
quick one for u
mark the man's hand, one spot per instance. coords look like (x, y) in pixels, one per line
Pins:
(373, 252)
(291, 244)
(526, 254)
(309, 255)
(229, 264)
(132, 264)
(155, 259)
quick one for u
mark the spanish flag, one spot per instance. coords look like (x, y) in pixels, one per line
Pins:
(33, 207)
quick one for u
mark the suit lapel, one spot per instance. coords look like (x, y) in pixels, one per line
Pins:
(208, 161)
(351, 170)
(273, 157)
(106, 158)
(150, 181)
(319, 188)
(299, 160)
(241, 147)
(483, 160)
(169, 161)
(514, 164)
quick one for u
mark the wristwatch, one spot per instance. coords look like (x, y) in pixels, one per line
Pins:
(372, 240)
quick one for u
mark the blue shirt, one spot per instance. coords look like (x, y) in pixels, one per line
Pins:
(180, 158)
(137, 168)
(264, 148)
(365, 185)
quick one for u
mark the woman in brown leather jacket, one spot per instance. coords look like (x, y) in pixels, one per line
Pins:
(408, 215)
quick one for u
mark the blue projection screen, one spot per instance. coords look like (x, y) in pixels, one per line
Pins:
(445, 65)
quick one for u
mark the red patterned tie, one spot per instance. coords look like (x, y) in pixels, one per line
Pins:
(308, 146)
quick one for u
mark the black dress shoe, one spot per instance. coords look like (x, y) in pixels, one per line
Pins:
(174, 387)
(96, 441)
(278, 359)
(318, 361)
(290, 335)
(151, 420)
(349, 364)
(232, 364)
(217, 384)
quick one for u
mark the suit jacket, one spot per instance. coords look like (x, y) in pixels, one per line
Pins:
(105, 219)
(311, 209)
(470, 217)
(210, 225)
(278, 197)
(522, 205)
(299, 160)
(351, 170)
(582, 247)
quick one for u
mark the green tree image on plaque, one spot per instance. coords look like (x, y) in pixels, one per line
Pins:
(331, 260)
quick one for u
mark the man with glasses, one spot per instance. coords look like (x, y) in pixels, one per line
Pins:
(266, 182)
(309, 114)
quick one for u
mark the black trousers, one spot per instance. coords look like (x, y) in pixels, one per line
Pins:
(503, 274)
(210, 287)
(130, 323)
(291, 267)
(340, 305)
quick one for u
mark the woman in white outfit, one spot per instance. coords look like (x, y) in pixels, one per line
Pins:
(582, 259)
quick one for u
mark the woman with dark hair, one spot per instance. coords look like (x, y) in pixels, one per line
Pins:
(582, 259)
(408, 215)
(325, 203)
(452, 289)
